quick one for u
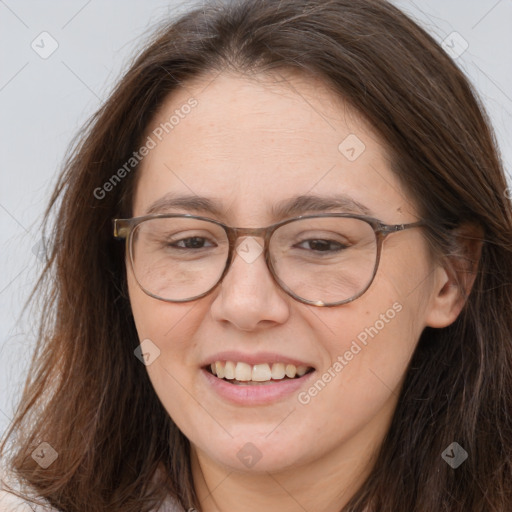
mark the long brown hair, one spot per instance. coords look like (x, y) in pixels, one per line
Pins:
(91, 399)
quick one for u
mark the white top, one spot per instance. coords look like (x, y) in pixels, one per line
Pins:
(11, 503)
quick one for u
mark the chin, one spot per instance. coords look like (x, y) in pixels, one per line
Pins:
(255, 454)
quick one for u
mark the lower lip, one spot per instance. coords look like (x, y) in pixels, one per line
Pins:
(255, 394)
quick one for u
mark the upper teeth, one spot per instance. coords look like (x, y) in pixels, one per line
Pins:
(257, 372)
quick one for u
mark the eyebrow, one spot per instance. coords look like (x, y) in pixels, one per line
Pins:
(283, 209)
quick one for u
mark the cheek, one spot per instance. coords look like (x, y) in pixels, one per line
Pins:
(155, 319)
(370, 341)
(172, 328)
(355, 394)
(368, 354)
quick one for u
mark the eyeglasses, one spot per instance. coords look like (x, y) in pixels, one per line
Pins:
(321, 259)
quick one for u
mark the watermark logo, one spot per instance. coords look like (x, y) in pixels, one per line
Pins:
(39, 250)
(454, 455)
(249, 455)
(352, 147)
(454, 45)
(147, 352)
(44, 45)
(249, 249)
(45, 455)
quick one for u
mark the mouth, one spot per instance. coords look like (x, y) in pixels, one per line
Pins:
(244, 374)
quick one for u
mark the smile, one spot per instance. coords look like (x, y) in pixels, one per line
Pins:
(243, 373)
(255, 385)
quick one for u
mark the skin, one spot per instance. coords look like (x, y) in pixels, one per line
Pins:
(251, 142)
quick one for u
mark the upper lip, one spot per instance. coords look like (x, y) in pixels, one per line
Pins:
(254, 358)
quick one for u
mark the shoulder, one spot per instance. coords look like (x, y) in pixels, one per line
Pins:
(10, 502)
(169, 505)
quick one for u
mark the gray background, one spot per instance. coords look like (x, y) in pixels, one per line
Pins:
(43, 102)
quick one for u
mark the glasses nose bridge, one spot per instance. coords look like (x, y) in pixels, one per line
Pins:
(236, 233)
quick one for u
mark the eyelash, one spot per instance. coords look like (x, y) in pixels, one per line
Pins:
(340, 246)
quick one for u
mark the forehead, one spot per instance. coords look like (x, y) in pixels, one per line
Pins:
(253, 142)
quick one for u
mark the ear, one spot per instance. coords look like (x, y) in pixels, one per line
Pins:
(455, 276)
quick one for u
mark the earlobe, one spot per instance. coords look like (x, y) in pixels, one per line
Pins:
(455, 276)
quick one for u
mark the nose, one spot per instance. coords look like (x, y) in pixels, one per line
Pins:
(248, 297)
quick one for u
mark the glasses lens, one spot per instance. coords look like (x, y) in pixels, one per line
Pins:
(178, 258)
(324, 259)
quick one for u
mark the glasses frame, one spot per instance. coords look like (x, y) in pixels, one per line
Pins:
(124, 228)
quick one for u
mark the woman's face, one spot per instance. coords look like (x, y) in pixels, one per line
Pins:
(249, 145)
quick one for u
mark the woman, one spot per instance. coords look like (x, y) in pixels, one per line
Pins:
(354, 355)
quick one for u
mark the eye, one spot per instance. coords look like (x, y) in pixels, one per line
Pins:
(321, 245)
(194, 242)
